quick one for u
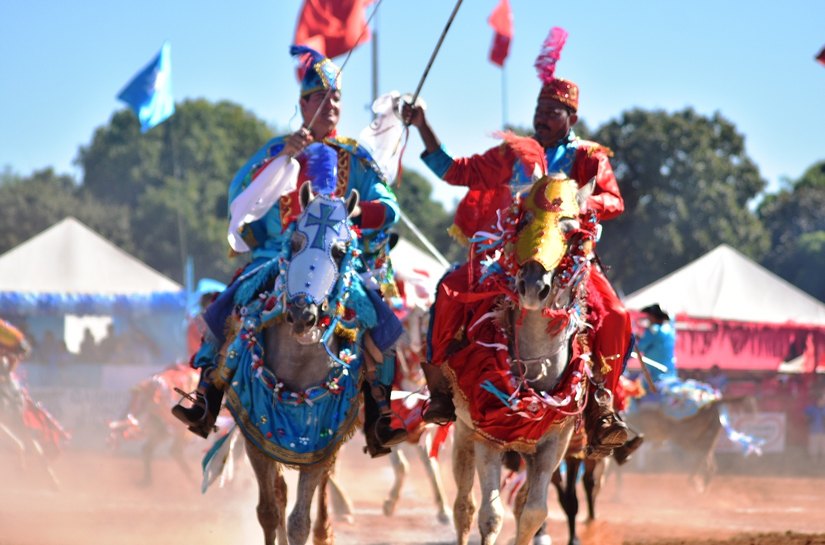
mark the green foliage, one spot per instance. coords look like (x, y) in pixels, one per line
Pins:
(34, 203)
(686, 182)
(795, 220)
(415, 198)
(175, 179)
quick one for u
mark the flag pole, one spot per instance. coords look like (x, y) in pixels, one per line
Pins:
(374, 66)
(503, 98)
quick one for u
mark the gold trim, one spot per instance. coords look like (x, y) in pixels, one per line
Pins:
(325, 455)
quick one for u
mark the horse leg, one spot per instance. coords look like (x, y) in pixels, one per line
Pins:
(298, 525)
(271, 485)
(147, 456)
(178, 454)
(463, 468)
(341, 504)
(540, 468)
(434, 473)
(570, 499)
(400, 468)
(594, 471)
(322, 529)
(491, 512)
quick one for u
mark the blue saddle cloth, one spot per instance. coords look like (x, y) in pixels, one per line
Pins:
(295, 428)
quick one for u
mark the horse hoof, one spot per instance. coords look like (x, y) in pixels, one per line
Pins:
(389, 508)
(444, 517)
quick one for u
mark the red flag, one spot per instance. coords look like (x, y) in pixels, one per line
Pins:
(821, 56)
(501, 19)
(332, 27)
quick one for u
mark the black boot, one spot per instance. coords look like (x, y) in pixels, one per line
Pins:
(201, 416)
(440, 408)
(378, 428)
(605, 430)
(623, 454)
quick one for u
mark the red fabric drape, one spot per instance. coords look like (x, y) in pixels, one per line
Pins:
(702, 343)
(332, 27)
(501, 19)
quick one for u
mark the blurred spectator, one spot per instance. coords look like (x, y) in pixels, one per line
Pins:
(88, 347)
(110, 349)
(51, 350)
(717, 378)
(816, 428)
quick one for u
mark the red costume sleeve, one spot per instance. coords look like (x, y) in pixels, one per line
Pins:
(592, 160)
(489, 170)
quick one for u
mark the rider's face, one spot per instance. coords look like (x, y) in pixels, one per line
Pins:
(327, 120)
(552, 121)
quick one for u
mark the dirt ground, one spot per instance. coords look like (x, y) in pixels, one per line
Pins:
(100, 503)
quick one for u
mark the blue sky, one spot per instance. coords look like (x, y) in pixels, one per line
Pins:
(63, 63)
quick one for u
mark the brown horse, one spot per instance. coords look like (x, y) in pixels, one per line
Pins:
(695, 437)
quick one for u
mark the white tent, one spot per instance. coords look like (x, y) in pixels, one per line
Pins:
(726, 285)
(70, 258)
(417, 269)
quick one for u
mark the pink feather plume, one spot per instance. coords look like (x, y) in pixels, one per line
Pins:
(550, 53)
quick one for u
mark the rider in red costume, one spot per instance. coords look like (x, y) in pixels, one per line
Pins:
(492, 178)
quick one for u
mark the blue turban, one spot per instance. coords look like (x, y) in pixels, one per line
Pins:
(320, 73)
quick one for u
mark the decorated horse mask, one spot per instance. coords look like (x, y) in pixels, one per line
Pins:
(550, 210)
(319, 242)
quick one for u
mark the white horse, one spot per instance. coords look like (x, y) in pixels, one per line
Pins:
(545, 254)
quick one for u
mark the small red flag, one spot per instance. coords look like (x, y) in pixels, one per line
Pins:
(821, 56)
(501, 19)
(332, 27)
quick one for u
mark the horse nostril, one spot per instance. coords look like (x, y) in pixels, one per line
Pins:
(289, 318)
(544, 292)
(311, 320)
(520, 287)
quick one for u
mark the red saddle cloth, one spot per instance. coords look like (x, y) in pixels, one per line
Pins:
(505, 410)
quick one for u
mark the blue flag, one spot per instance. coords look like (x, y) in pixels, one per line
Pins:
(150, 91)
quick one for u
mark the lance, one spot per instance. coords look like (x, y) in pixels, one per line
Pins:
(435, 52)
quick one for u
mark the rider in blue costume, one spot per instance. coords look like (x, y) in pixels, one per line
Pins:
(658, 343)
(264, 237)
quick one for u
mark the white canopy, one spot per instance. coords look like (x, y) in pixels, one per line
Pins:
(70, 258)
(418, 269)
(727, 285)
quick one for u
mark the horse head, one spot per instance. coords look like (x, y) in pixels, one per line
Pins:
(319, 243)
(549, 217)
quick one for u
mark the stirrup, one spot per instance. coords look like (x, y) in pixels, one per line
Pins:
(441, 413)
(202, 422)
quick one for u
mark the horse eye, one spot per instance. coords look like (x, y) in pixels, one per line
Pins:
(297, 242)
(338, 251)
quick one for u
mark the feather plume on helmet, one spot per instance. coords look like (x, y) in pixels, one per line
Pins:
(561, 90)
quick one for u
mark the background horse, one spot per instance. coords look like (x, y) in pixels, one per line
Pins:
(147, 417)
(694, 437)
(539, 324)
(302, 369)
(33, 432)
(408, 400)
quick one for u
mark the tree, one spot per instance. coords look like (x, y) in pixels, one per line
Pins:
(686, 182)
(175, 179)
(32, 204)
(415, 199)
(796, 224)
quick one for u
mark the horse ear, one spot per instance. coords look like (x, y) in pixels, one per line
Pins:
(394, 238)
(352, 201)
(305, 194)
(584, 193)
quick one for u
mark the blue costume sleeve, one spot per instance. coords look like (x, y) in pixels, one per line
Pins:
(439, 161)
(371, 187)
